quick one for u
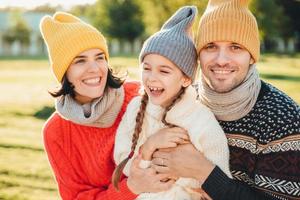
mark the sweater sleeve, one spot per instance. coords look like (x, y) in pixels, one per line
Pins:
(70, 185)
(209, 137)
(219, 187)
(206, 134)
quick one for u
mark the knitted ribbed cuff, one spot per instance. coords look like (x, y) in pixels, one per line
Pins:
(125, 190)
(144, 164)
(216, 184)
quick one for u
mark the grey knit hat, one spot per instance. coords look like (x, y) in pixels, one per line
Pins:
(173, 41)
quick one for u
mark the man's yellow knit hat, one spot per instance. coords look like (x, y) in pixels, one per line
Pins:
(229, 20)
(66, 36)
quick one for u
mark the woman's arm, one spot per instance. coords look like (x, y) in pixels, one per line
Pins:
(72, 186)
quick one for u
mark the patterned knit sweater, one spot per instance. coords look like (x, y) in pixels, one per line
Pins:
(264, 151)
(82, 156)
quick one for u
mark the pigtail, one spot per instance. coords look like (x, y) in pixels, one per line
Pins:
(138, 128)
(175, 100)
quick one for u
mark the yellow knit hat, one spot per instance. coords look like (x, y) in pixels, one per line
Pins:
(229, 20)
(66, 36)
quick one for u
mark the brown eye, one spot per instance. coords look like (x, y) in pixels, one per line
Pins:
(79, 61)
(146, 68)
(236, 47)
(210, 47)
(100, 58)
(164, 72)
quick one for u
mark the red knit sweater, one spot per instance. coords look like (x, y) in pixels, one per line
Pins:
(82, 157)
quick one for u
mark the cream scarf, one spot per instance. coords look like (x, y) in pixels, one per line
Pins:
(101, 112)
(235, 104)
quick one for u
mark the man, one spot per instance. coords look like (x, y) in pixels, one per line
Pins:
(262, 124)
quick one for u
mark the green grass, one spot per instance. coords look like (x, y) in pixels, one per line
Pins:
(283, 72)
(25, 105)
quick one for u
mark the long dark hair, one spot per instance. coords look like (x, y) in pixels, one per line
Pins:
(67, 87)
(138, 128)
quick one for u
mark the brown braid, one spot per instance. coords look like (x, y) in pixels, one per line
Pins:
(175, 100)
(138, 128)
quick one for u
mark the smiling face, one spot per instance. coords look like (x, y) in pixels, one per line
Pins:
(88, 74)
(162, 79)
(224, 65)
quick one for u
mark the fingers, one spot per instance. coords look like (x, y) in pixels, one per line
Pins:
(161, 177)
(135, 162)
(184, 142)
(177, 129)
(163, 186)
(179, 135)
(184, 135)
(158, 161)
(179, 140)
(161, 169)
(160, 154)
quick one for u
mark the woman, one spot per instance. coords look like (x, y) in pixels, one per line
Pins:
(79, 136)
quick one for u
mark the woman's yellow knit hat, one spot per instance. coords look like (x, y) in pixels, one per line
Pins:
(229, 20)
(66, 36)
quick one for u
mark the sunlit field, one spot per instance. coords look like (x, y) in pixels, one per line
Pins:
(25, 105)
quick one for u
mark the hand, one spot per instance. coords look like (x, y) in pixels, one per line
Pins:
(164, 138)
(182, 161)
(146, 180)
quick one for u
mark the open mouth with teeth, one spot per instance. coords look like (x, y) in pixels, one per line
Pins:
(156, 91)
(222, 74)
(92, 81)
(225, 72)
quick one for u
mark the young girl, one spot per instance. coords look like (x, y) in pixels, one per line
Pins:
(169, 61)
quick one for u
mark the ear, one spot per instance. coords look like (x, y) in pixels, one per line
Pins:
(252, 61)
(186, 82)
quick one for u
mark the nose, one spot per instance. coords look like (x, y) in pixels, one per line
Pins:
(222, 58)
(152, 76)
(94, 66)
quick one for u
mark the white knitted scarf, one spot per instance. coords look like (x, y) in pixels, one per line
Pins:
(236, 103)
(102, 112)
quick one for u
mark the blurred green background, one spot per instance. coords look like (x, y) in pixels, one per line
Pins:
(25, 76)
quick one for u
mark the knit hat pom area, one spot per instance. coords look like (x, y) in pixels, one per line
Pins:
(174, 41)
(66, 36)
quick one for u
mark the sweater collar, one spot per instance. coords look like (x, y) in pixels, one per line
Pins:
(186, 103)
(102, 111)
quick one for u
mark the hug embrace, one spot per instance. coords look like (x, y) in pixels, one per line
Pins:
(173, 135)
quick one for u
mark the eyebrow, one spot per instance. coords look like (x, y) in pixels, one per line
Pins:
(166, 66)
(83, 56)
(99, 54)
(161, 66)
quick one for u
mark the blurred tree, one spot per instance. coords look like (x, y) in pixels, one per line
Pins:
(18, 30)
(8, 37)
(80, 10)
(129, 19)
(291, 9)
(46, 8)
(156, 12)
(120, 19)
(271, 20)
(270, 17)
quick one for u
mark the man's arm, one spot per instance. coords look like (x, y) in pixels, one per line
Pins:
(186, 161)
(219, 187)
